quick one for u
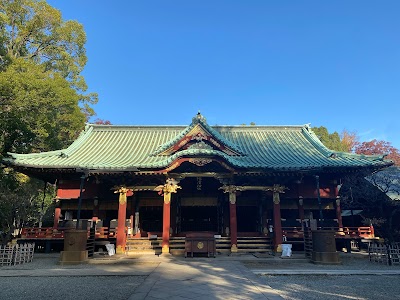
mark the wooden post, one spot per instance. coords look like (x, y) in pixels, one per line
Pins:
(121, 234)
(232, 189)
(233, 220)
(57, 213)
(83, 177)
(166, 222)
(338, 208)
(95, 208)
(166, 190)
(131, 219)
(339, 213)
(301, 209)
(278, 236)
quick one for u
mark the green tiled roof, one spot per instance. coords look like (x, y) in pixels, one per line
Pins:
(199, 119)
(124, 148)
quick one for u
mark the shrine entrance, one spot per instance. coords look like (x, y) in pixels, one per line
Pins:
(249, 212)
(199, 218)
(247, 219)
(151, 218)
(198, 214)
(198, 205)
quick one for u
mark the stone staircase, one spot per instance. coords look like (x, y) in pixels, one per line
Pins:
(177, 245)
(259, 244)
(143, 246)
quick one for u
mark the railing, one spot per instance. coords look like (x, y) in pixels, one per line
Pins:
(289, 233)
(293, 232)
(50, 232)
(362, 232)
(16, 254)
(101, 233)
(41, 233)
(385, 254)
(346, 232)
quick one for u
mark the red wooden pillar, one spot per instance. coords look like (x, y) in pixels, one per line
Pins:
(372, 230)
(166, 222)
(57, 213)
(121, 234)
(233, 220)
(167, 189)
(278, 236)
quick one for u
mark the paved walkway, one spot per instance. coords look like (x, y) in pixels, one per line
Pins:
(169, 277)
(204, 279)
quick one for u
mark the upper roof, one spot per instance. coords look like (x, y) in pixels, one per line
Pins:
(134, 148)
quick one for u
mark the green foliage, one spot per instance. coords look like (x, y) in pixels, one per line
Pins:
(43, 103)
(40, 111)
(330, 140)
(34, 31)
(43, 99)
(23, 202)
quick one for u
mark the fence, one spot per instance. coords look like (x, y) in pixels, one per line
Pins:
(16, 254)
(386, 254)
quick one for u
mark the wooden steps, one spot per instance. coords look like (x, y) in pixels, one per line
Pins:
(177, 245)
(254, 244)
(143, 246)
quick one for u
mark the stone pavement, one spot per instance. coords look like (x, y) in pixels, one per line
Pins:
(203, 279)
(170, 277)
(166, 277)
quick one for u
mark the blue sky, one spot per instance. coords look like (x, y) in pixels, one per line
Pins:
(329, 63)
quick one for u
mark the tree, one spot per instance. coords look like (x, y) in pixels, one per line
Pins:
(349, 140)
(34, 31)
(379, 147)
(378, 196)
(40, 111)
(102, 122)
(43, 103)
(43, 99)
(23, 201)
(330, 140)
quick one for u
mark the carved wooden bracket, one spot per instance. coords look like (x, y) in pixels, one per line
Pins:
(171, 186)
(122, 194)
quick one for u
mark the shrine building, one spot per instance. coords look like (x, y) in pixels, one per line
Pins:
(235, 182)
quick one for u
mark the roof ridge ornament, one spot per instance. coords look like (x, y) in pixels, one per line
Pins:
(192, 136)
(199, 118)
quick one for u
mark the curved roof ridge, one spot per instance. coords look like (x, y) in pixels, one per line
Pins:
(315, 141)
(372, 157)
(198, 119)
(312, 137)
(84, 134)
(114, 126)
(188, 152)
(34, 155)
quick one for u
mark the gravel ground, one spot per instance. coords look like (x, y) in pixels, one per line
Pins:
(69, 288)
(349, 261)
(331, 287)
(51, 261)
(289, 286)
(319, 287)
